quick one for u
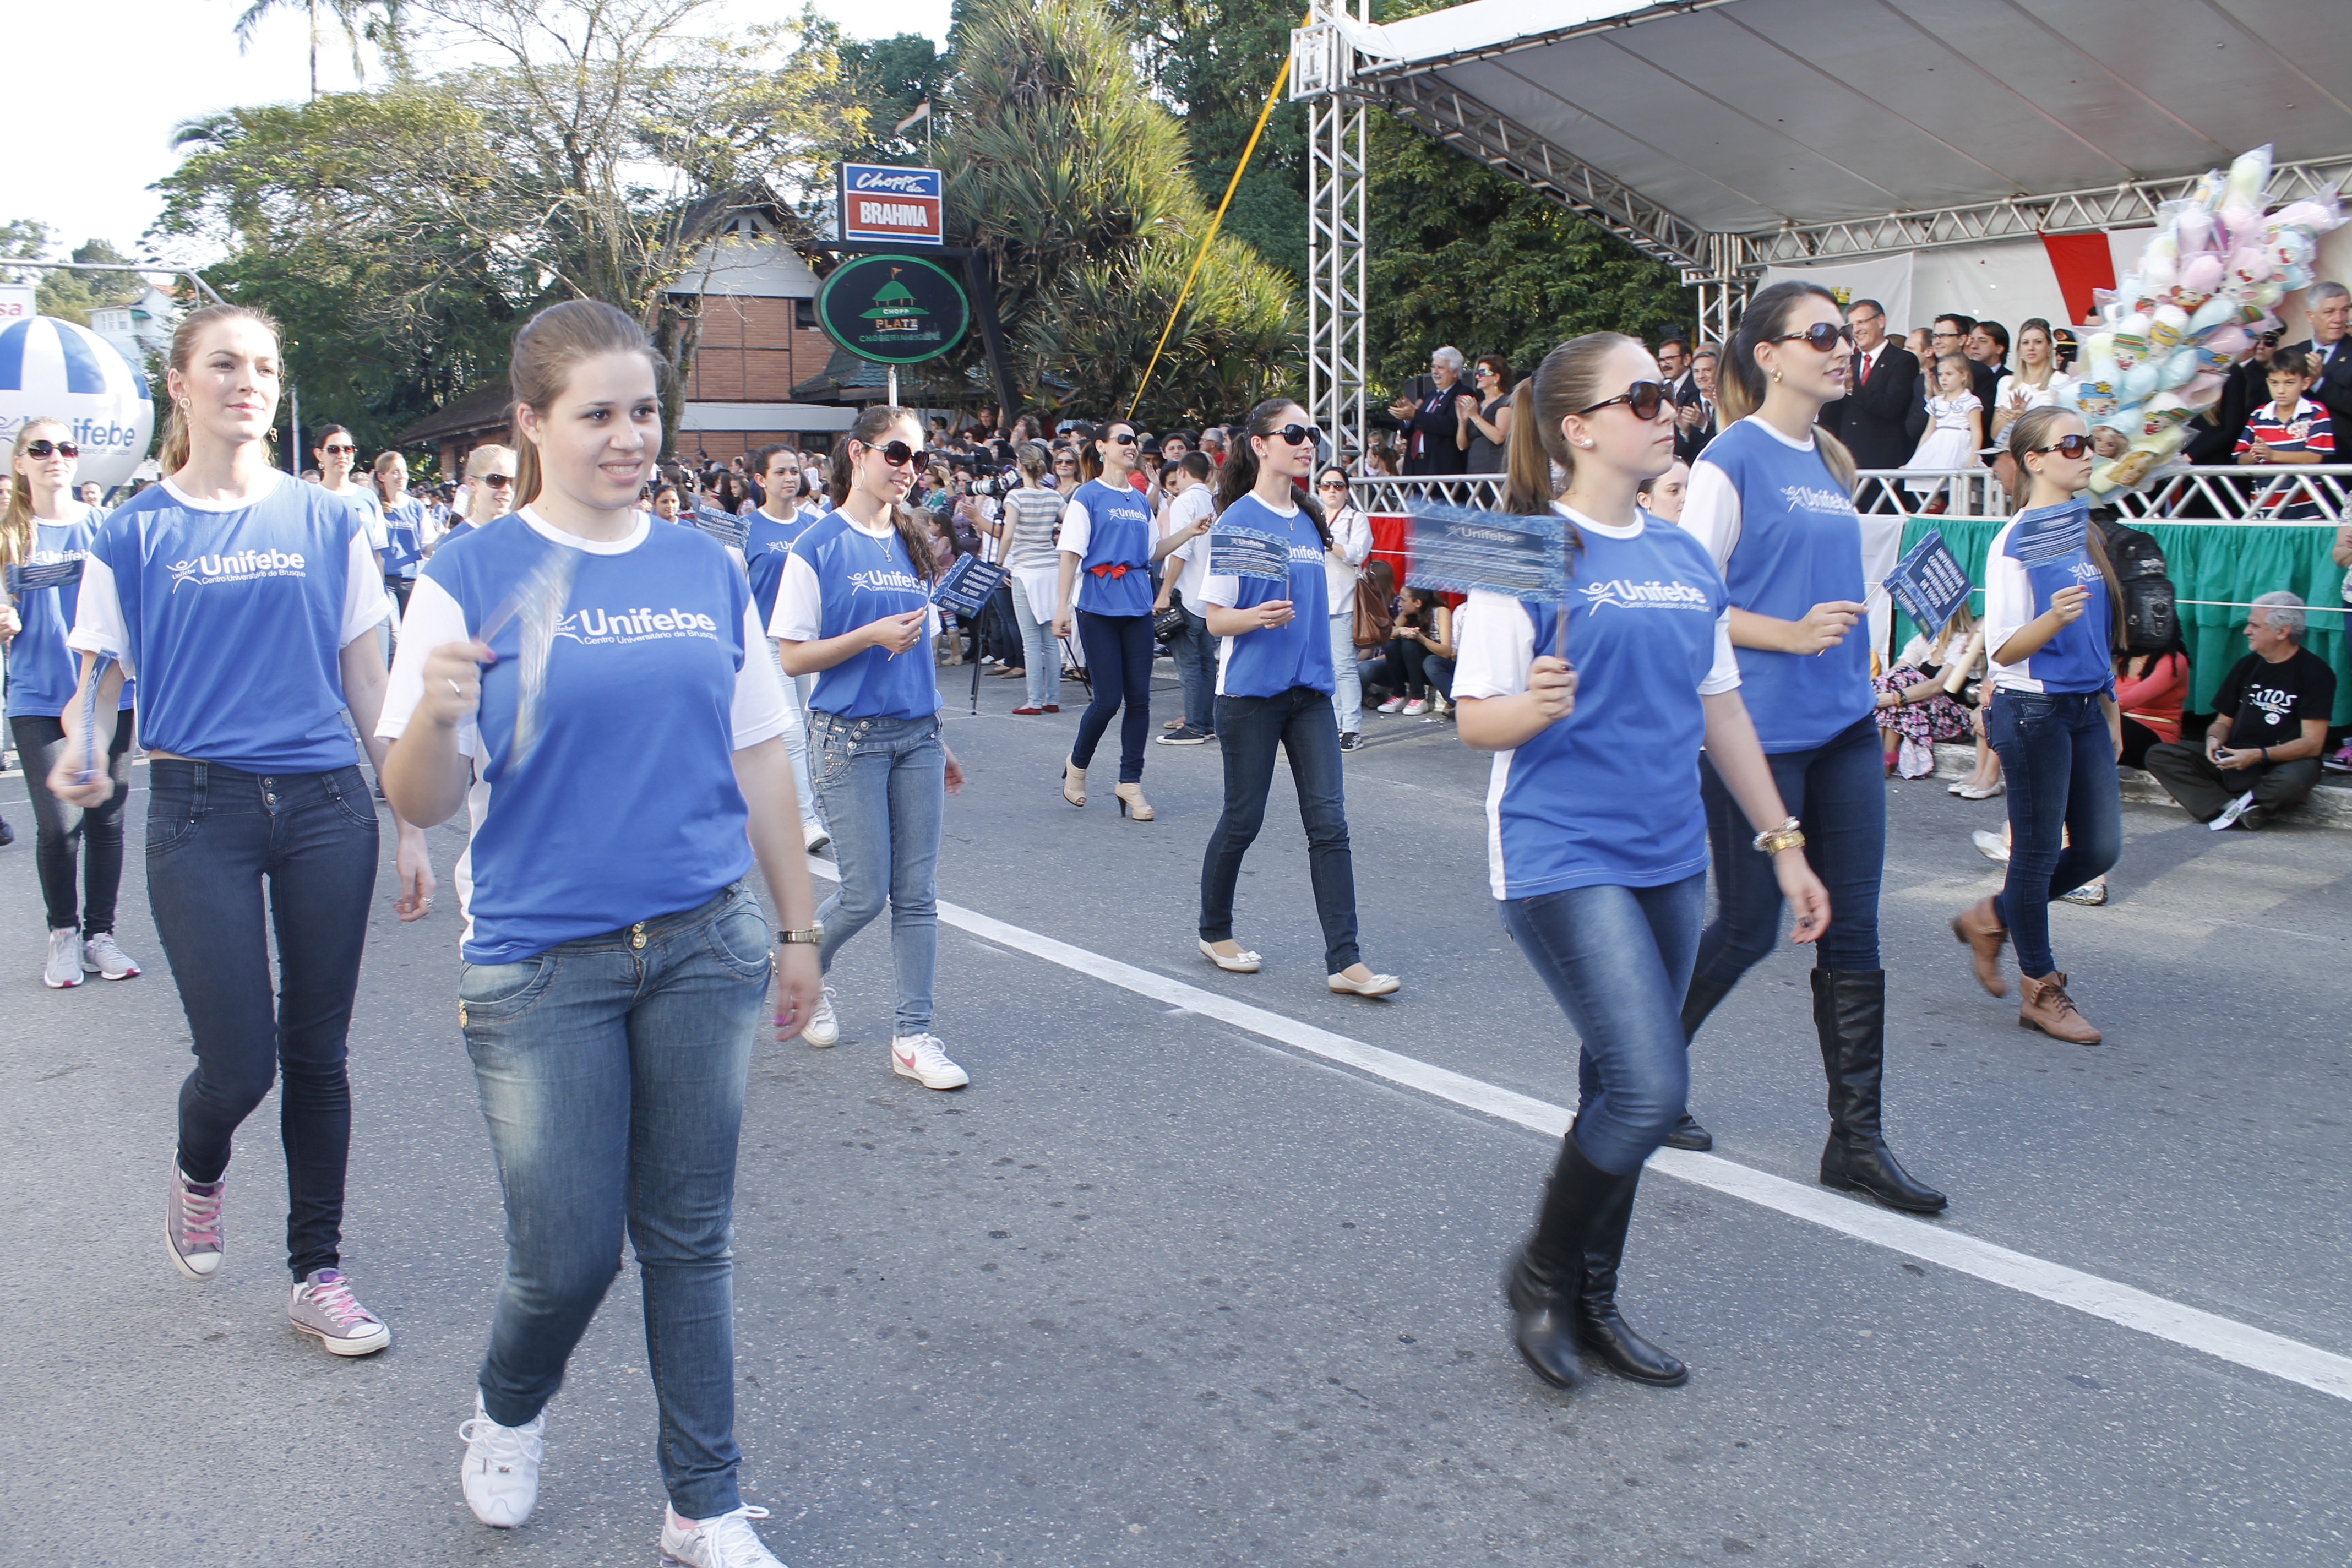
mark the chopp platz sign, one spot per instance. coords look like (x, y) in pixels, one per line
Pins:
(886, 205)
(894, 310)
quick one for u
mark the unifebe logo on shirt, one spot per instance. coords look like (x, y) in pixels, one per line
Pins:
(244, 566)
(1813, 498)
(886, 580)
(601, 626)
(1650, 595)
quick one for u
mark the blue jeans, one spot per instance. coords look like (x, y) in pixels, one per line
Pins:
(1249, 728)
(1040, 655)
(1348, 699)
(1618, 960)
(611, 1072)
(1838, 790)
(1196, 669)
(883, 785)
(214, 836)
(2065, 815)
(1119, 652)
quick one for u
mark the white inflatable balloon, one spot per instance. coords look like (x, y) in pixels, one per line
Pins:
(53, 369)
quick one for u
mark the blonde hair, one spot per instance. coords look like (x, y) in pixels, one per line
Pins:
(185, 340)
(476, 461)
(17, 521)
(547, 347)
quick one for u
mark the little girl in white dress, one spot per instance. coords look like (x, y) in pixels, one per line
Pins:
(1955, 431)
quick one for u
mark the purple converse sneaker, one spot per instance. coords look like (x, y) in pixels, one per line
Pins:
(191, 1224)
(323, 1307)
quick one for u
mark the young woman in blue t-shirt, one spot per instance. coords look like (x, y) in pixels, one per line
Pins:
(245, 603)
(619, 748)
(1107, 546)
(855, 612)
(2054, 613)
(1597, 834)
(1771, 499)
(1274, 691)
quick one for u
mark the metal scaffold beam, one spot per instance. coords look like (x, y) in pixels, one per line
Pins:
(1338, 140)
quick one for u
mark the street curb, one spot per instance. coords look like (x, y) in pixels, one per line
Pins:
(2330, 805)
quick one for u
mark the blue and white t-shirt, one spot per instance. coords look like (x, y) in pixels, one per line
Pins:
(842, 576)
(1784, 532)
(1271, 660)
(2076, 660)
(43, 672)
(1109, 529)
(233, 616)
(1608, 796)
(403, 531)
(627, 807)
(765, 551)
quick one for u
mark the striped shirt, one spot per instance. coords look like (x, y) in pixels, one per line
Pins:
(1033, 514)
(2305, 427)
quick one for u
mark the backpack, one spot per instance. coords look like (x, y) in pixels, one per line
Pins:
(2150, 622)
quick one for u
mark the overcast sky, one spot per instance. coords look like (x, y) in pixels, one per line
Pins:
(95, 90)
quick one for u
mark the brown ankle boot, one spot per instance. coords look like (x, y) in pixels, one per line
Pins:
(2049, 1009)
(1979, 926)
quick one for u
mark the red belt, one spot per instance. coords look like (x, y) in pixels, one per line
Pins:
(1115, 570)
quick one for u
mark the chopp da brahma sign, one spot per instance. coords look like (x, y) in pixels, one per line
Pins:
(886, 205)
(893, 310)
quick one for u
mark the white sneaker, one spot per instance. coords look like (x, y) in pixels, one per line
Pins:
(2229, 818)
(501, 1474)
(1416, 705)
(63, 969)
(1991, 845)
(1392, 705)
(823, 1028)
(924, 1059)
(814, 836)
(726, 1541)
(101, 957)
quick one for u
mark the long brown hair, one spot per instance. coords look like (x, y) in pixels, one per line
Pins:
(1739, 382)
(913, 532)
(546, 349)
(2031, 431)
(1566, 382)
(1239, 475)
(17, 521)
(184, 342)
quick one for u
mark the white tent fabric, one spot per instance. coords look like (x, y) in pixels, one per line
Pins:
(1739, 116)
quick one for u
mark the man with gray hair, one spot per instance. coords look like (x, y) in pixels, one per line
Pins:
(1429, 432)
(2328, 307)
(2261, 755)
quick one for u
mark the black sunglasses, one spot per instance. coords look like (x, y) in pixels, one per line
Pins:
(2068, 447)
(498, 481)
(898, 454)
(1297, 435)
(345, 450)
(48, 449)
(1125, 440)
(1644, 398)
(1821, 335)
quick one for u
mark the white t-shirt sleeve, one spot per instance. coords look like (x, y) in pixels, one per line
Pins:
(2009, 594)
(434, 618)
(1725, 676)
(365, 602)
(1223, 591)
(1711, 510)
(800, 604)
(1494, 644)
(98, 619)
(1354, 540)
(760, 712)
(1077, 529)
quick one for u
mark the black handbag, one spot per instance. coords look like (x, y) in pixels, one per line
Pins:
(1168, 624)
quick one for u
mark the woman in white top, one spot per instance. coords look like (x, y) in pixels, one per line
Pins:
(1343, 563)
(2037, 382)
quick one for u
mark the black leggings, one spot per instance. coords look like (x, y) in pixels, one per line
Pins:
(1407, 667)
(39, 740)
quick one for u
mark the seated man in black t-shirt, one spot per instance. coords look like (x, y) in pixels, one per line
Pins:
(2262, 754)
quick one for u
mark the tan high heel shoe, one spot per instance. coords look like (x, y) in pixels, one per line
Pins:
(1131, 799)
(1074, 783)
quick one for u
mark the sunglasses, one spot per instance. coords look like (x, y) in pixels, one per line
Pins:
(346, 451)
(498, 481)
(1644, 398)
(1296, 434)
(1125, 440)
(2069, 447)
(51, 449)
(1821, 335)
(1332, 485)
(898, 454)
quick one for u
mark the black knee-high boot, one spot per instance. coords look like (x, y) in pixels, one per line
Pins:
(1607, 1336)
(1697, 1003)
(1544, 1281)
(1849, 1016)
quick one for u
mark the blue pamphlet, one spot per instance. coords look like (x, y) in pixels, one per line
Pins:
(1929, 583)
(967, 586)
(1246, 553)
(1462, 550)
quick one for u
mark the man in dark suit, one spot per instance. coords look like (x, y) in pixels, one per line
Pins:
(1429, 429)
(2328, 308)
(1675, 369)
(1882, 392)
(1694, 417)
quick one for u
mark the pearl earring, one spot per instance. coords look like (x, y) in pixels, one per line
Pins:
(1776, 376)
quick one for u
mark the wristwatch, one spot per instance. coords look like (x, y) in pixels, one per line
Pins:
(812, 936)
(1772, 840)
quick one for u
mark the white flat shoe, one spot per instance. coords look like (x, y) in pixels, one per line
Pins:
(1243, 963)
(1378, 986)
(1983, 792)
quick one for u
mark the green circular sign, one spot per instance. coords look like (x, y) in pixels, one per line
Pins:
(894, 310)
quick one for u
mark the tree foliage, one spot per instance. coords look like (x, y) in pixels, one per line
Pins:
(68, 296)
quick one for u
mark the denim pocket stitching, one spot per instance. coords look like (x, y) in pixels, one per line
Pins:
(179, 829)
(343, 803)
(515, 1004)
(714, 938)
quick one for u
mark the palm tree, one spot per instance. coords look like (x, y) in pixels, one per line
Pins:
(376, 21)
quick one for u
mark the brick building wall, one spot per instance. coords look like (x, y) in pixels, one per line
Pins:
(751, 349)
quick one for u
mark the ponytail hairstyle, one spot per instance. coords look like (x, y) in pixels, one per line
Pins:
(2031, 430)
(1567, 382)
(1238, 476)
(1739, 380)
(386, 461)
(185, 340)
(1034, 460)
(546, 349)
(874, 423)
(17, 521)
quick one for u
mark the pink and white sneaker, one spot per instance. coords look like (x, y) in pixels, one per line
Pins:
(100, 956)
(323, 1307)
(191, 1224)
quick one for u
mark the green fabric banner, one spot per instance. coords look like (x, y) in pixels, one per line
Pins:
(2229, 562)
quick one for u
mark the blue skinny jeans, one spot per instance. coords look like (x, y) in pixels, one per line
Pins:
(882, 785)
(2066, 814)
(1838, 790)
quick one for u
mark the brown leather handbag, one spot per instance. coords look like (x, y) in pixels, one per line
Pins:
(1375, 622)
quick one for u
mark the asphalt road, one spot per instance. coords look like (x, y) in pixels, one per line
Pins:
(1158, 1289)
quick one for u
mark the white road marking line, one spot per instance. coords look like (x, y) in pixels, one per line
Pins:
(2128, 1306)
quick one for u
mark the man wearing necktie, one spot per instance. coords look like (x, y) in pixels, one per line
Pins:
(1882, 392)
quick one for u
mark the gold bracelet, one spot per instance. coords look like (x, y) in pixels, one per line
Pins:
(1772, 840)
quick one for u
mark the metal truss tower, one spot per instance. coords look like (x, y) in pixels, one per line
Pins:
(1338, 138)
